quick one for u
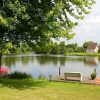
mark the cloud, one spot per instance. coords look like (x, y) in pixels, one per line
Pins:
(94, 19)
(89, 28)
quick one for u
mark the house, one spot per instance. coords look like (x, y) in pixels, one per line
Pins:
(92, 47)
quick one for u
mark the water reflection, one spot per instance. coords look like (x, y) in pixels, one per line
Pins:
(11, 60)
(51, 65)
(92, 61)
(42, 60)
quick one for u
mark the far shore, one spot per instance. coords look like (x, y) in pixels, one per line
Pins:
(66, 54)
(82, 54)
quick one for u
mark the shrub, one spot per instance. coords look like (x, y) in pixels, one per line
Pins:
(19, 75)
(93, 75)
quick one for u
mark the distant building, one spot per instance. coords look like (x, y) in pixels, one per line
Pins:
(92, 47)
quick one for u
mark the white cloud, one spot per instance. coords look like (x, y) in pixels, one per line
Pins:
(89, 29)
(94, 19)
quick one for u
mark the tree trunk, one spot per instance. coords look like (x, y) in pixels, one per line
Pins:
(0, 59)
(1, 47)
(59, 71)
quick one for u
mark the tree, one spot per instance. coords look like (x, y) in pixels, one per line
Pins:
(55, 48)
(80, 49)
(43, 47)
(39, 20)
(22, 48)
(62, 47)
(10, 12)
(8, 49)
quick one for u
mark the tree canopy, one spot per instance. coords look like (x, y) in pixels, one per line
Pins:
(26, 20)
(39, 20)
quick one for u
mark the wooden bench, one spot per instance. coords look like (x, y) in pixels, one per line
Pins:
(71, 75)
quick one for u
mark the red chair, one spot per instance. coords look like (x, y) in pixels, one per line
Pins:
(3, 72)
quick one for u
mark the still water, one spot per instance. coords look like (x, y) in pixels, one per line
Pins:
(35, 64)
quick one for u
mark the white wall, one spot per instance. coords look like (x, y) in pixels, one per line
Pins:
(92, 50)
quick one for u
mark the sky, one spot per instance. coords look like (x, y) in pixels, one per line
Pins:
(89, 28)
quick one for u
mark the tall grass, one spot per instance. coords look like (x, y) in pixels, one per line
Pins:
(19, 75)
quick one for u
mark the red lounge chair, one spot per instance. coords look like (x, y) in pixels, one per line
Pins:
(3, 70)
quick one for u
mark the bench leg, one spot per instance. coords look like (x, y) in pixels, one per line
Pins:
(81, 79)
(65, 78)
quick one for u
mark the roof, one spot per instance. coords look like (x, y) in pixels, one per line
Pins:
(92, 46)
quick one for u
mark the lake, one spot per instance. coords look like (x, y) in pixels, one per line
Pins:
(36, 64)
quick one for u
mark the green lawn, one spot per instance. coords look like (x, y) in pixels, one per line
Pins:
(44, 90)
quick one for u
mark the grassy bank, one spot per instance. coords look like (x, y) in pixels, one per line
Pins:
(82, 54)
(44, 90)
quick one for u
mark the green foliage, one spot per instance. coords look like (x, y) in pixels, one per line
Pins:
(69, 50)
(41, 77)
(80, 49)
(22, 48)
(19, 75)
(93, 75)
(62, 47)
(55, 49)
(36, 21)
(99, 50)
(8, 48)
(43, 47)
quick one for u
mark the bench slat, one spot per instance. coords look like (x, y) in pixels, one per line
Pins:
(72, 74)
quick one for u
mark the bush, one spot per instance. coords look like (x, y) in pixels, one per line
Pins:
(93, 75)
(19, 75)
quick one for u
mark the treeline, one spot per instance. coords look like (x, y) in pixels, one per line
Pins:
(62, 48)
(10, 48)
(45, 48)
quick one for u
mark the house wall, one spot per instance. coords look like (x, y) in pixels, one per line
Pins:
(92, 50)
(96, 49)
(89, 50)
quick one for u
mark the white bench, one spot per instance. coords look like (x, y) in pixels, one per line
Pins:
(76, 75)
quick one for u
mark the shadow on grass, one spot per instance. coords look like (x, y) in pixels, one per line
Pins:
(22, 84)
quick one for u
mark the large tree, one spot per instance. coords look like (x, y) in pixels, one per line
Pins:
(39, 20)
